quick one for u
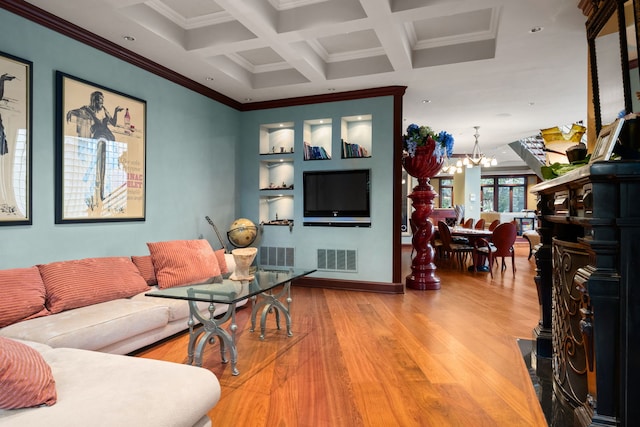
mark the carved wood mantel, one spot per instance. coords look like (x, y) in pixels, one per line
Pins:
(588, 281)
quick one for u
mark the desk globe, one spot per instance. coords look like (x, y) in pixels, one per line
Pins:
(242, 233)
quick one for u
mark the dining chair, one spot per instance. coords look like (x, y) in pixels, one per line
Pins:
(459, 251)
(494, 224)
(468, 223)
(501, 246)
(480, 224)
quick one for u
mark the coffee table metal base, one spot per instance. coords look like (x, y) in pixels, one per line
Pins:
(211, 328)
(270, 302)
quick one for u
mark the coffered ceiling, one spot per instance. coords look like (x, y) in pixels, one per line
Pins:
(466, 63)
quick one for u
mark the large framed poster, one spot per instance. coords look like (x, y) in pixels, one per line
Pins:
(100, 153)
(15, 140)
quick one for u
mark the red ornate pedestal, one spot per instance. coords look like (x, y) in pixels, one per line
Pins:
(422, 166)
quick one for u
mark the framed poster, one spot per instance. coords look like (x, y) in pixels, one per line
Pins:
(606, 141)
(15, 140)
(100, 153)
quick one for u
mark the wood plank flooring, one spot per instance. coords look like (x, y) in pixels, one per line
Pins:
(425, 358)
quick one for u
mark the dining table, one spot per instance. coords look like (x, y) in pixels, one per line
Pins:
(472, 234)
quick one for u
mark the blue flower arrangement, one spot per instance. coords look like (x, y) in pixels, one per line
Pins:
(421, 136)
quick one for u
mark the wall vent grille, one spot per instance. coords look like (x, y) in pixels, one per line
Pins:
(276, 256)
(344, 260)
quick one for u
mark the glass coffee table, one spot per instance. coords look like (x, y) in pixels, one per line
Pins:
(265, 293)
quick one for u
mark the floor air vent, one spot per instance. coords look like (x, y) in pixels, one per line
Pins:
(277, 257)
(337, 260)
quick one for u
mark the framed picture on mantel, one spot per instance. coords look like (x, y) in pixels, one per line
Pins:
(606, 141)
(15, 140)
(100, 153)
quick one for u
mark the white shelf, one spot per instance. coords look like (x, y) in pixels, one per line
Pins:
(317, 139)
(275, 206)
(276, 173)
(277, 138)
(355, 136)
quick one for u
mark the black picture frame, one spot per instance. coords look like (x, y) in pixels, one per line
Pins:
(100, 153)
(16, 85)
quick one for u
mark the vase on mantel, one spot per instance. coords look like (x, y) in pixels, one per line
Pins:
(424, 165)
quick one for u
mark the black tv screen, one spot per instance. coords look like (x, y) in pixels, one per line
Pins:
(337, 198)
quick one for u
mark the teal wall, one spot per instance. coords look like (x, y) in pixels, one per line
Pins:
(374, 244)
(202, 159)
(190, 171)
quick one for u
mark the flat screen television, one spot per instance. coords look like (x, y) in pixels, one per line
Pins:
(339, 198)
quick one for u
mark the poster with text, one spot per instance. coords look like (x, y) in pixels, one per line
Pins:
(100, 164)
(15, 140)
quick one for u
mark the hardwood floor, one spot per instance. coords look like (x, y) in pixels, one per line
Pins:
(425, 358)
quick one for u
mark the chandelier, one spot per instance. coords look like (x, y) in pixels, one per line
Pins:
(450, 168)
(477, 158)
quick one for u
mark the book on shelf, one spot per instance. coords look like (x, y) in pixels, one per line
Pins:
(353, 150)
(314, 152)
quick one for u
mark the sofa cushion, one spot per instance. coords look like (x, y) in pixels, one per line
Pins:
(25, 378)
(23, 295)
(111, 390)
(222, 261)
(145, 266)
(83, 282)
(92, 327)
(184, 262)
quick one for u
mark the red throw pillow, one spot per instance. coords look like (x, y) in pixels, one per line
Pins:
(23, 295)
(184, 262)
(25, 377)
(83, 282)
(145, 266)
(222, 262)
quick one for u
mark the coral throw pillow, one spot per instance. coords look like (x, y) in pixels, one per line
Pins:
(83, 282)
(145, 266)
(222, 262)
(25, 378)
(184, 262)
(23, 295)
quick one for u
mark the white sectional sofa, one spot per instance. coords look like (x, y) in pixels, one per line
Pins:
(99, 389)
(84, 316)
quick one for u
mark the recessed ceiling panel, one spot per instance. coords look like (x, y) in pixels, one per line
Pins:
(400, 5)
(278, 78)
(477, 21)
(453, 54)
(349, 42)
(215, 35)
(358, 67)
(261, 56)
(319, 14)
(192, 8)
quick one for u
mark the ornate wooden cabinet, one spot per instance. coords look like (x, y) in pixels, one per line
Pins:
(588, 280)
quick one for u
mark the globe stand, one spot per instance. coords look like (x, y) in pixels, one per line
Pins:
(423, 269)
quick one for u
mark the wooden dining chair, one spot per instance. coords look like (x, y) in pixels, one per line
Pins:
(501, 246)
(480, 224)
(468, 223)
(494, 224)
(457, 251)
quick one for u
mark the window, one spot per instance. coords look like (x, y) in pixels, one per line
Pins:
(487, 194)
(446, 193)
(504, 194)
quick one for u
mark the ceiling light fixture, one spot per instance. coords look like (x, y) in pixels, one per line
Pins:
(449, 168)
(129, 38)
(477, 158)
